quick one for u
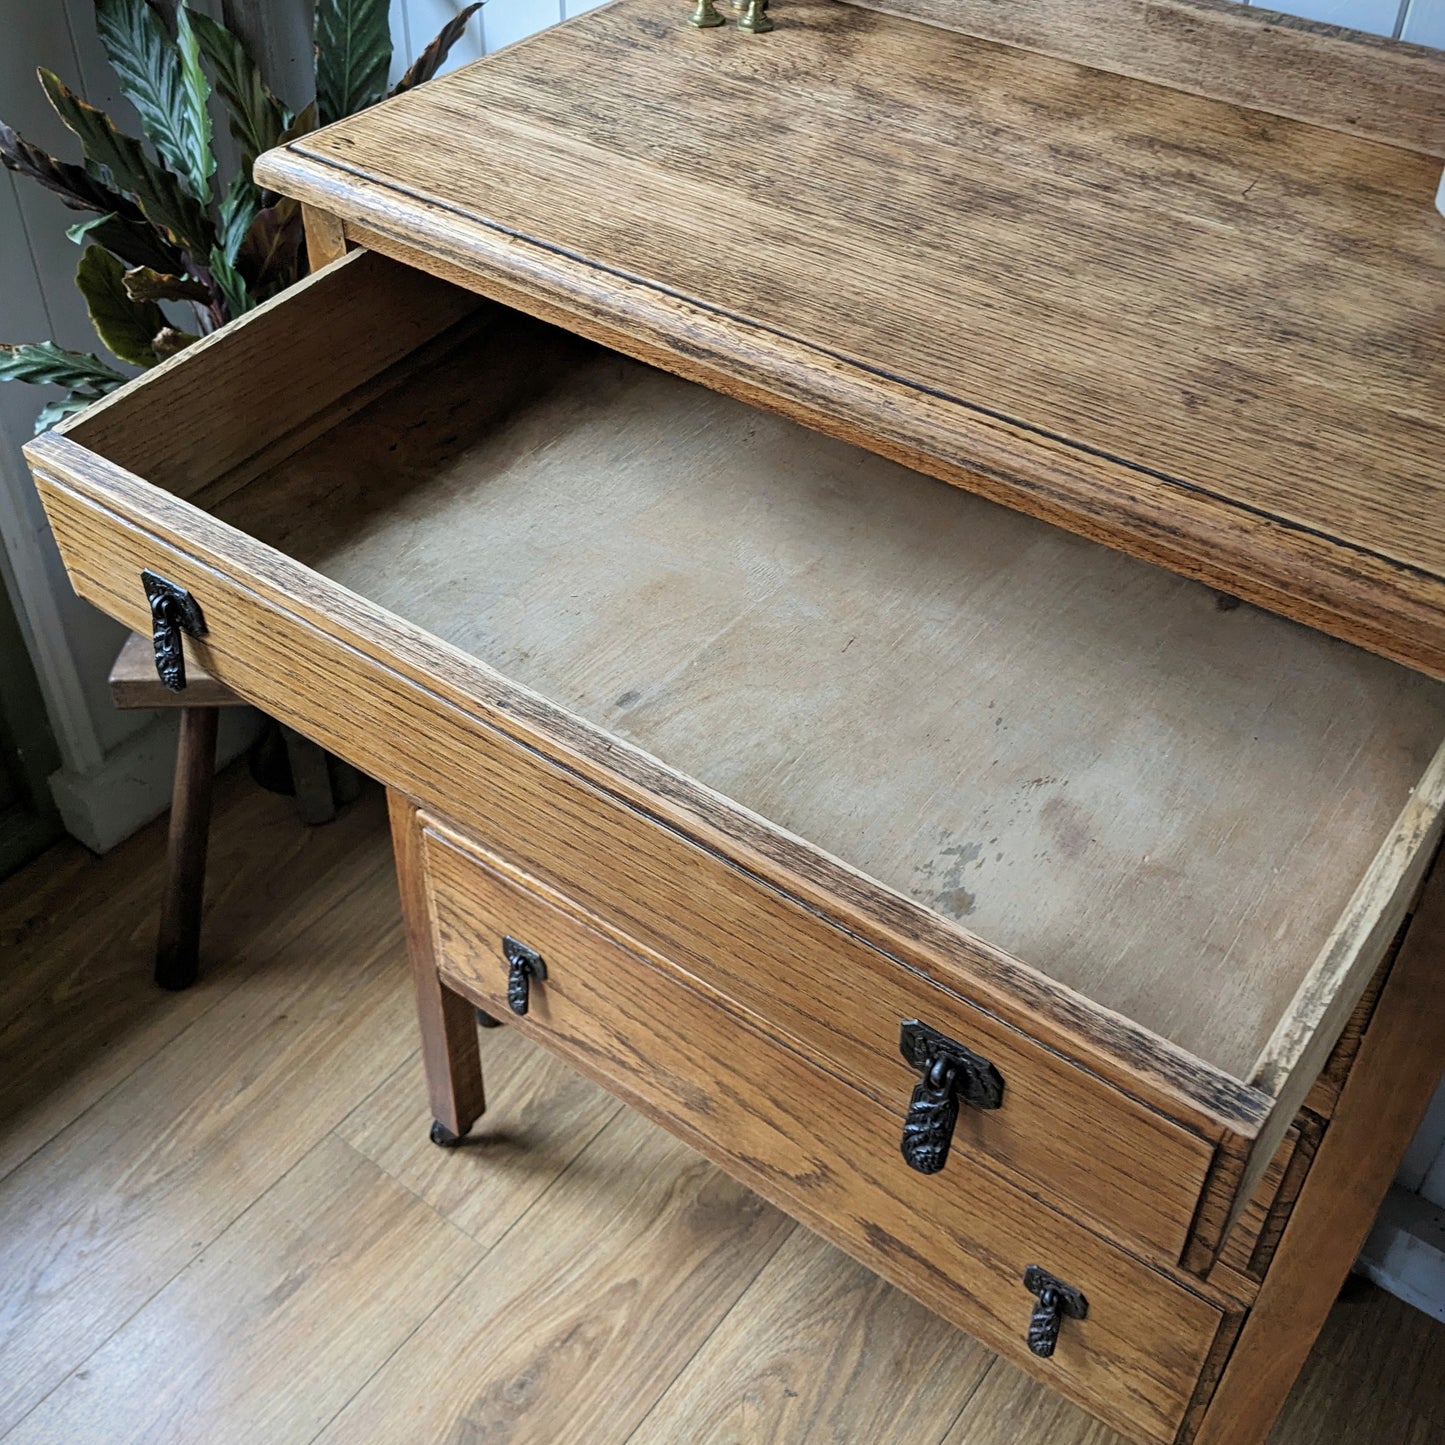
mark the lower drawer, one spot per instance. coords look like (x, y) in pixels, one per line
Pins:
(959, 1241)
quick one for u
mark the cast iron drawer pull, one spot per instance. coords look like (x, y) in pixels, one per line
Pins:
(173, 611)
(1057, 1301)
(523, 965)
(949, 1073)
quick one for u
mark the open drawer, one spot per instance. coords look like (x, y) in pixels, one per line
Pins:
(848, 745)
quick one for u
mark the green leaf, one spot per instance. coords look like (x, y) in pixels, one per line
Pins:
(57, 411)
(126, 326)
(158, 193)
(164, 81)
(257, 118)
(432, 58)
(168, 341)
(270, 258)
(353, 55)
(302, 123)
(45, 363)
(144, 284)
(238, 209)
(197, 92)
(137, 243)
(231, 285)
(73, 184)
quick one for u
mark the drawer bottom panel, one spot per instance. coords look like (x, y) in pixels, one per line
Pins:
(959, 1240)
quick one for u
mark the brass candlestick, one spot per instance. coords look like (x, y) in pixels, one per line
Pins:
(754, 18)
(705, 16)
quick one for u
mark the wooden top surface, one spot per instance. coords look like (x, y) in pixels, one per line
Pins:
(1209, 336)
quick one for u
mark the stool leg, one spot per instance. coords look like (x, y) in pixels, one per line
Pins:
(310, 777)
(178, 948)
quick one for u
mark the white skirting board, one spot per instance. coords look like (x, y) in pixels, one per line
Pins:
(132, 785)
(1405, 1252)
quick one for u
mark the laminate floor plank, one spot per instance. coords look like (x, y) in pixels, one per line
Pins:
(78, 1009)
(298, 1303)
(231, 1226)
(585, 1312)
(92, 1225)
(819, 1350)
(540, 1116)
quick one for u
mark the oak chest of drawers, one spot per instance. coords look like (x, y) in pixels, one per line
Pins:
(1049, 929)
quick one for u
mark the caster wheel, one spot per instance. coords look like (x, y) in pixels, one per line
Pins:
(486, 1021)
(443, 1137)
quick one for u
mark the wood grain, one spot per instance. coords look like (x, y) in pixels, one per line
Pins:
(1367, 1340)
(1265, 979)
(828, 1155)
(206, 413)
(819, 1350)
(182, 1147)
(576, 1345)
(1113, 840)
(133, 681)
(738, 835)
(541, 1116)
(178, 942)
(1010, 1407)
(1325, 74)
(1308, 1030)
(1324, 1093)
(305, 1296)
(325, 238)
(1381, 1105)
(446, 1020)
(81, 1012)
(1243, 1239)
(273, 658)
(85, 1020)
(1077, 293)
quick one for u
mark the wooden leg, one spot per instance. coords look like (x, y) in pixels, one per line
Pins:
(1379, 1110)
(310, 777)
(448, 1022)
(178, 948)
(325, 240)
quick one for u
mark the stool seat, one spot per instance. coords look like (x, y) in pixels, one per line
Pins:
(134, 682)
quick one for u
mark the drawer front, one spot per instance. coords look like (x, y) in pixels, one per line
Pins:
(960, 1241)
(1067, 1135)
(1070, 1138)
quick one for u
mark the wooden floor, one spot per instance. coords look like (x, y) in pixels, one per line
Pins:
(221, 1219)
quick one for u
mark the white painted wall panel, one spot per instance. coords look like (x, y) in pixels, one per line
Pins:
(1425, 23)
(1377, 16)
(424, 18)
(507, 21)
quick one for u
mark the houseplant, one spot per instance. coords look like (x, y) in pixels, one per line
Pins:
(164, 229)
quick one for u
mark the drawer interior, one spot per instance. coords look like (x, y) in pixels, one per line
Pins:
(1154, 795)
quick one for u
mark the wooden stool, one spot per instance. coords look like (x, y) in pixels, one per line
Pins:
(318, 789)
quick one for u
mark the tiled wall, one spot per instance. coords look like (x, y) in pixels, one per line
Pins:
(503, 21)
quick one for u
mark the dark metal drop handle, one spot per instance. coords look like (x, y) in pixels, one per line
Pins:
(1055, 1302)
(949, 1074)
(173, 611)
(523, 966)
